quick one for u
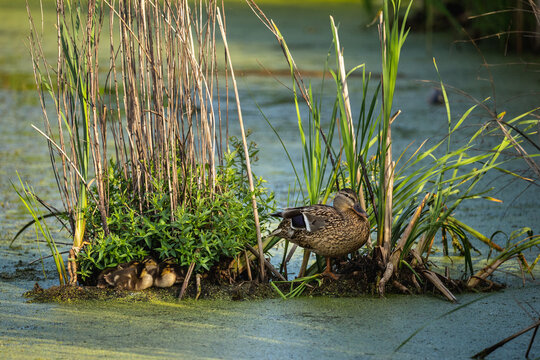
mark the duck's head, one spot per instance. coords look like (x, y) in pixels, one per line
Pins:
(150, 263)
(167, 270)
(346, 200)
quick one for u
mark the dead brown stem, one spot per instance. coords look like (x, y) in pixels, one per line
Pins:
(198, 284)
(248, 266)
(484, 273)
(482, 354)
(303, 266)
(386, 276)
(401, 287)
(246, 152)
(396, 254)
(266, 262)
(434, 279)
(415, 283)
(186, 280)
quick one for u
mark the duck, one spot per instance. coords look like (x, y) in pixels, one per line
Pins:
(166, 277)
(329, 231)
(102, 281)
(136, 276)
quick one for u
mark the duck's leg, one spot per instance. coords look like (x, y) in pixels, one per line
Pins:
(328, 271)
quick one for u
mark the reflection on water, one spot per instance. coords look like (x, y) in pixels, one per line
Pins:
(306, 328)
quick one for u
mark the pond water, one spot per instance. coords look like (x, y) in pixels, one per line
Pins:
(365, 327)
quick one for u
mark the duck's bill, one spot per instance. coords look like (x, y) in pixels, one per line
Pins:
(357, 209)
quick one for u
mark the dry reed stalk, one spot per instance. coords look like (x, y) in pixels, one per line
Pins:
(392, 264)
(388, 191)
(163, 126)
(434, 279)
(396, 253)
(361, 197)
(401, 287)
(266, 263)
(389, 270)
(344, 87)
(238, 265)
(483, 273)
(186, 280)
(303, 266)
(167, 58)
(430, 276)
(482, 354)
(246, 152)
(415, 283)
(198, 285)
(250, 277)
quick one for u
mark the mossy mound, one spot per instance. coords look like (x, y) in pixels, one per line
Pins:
(357, 277)
(69, 294)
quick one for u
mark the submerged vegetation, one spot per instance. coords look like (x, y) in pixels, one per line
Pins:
(180, 190)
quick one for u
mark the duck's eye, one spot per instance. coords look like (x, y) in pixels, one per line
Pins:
(359, 210)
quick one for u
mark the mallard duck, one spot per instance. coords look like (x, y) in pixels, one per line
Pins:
(330, 231)
(102, 282)
(136, 276)
(151, 266)
(166, 277)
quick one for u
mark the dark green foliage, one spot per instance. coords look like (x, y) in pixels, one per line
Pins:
(206, 229)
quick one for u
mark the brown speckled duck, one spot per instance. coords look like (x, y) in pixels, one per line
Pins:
(330, 231)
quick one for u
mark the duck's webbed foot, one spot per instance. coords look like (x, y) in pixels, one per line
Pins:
(327, 273)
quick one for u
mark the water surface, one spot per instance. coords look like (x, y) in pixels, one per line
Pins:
(308, 328)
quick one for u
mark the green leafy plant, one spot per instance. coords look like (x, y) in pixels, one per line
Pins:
(203, 231)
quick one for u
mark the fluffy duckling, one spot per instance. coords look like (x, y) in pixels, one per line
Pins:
(133, 277)
(151, 266)
(102, 282)
(166, 277)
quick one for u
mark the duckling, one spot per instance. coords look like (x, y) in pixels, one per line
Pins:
(151, 266)
(130, 278)
(166, 277)
(102, 282)
(330, 231)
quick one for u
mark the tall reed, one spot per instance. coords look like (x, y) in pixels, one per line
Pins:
(413, 197)
(143, 78)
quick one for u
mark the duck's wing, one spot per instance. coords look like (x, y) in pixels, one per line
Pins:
(310, 218)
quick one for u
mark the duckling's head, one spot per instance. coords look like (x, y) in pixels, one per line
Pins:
(167, 270)
(166, 278)
(346, 200)
(151, 266)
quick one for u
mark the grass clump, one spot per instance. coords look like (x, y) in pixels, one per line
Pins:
(140, 80)
(411, 199)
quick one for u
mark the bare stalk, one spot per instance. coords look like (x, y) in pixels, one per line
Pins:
(396, 253)
(246, 152)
